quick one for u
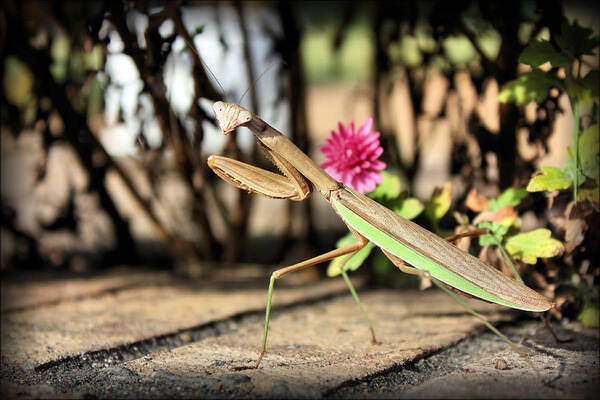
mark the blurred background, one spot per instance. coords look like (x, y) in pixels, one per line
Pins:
(106, 119)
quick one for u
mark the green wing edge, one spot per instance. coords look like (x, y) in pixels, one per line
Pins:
(418, 260)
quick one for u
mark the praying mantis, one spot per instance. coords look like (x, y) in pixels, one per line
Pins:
(401, 240)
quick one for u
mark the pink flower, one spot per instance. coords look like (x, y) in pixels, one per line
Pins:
(352, 156)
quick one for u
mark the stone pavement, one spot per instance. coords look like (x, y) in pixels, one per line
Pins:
(150, 334)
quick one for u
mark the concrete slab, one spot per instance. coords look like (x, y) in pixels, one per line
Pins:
(52, 332)
(571, 369)
(317, 348)
(32, 291)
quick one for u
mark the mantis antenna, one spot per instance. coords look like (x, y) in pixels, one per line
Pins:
(191, 46)
(257, 79)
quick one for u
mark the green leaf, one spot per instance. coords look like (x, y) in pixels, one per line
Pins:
(589, 194)
(578, 89)
(588, 151)
(590, 315)
(459, 50)
(570, 169)
(335, 266)
(17, 82)
(575, 39)
(496, 234)
(530, 86)
(510, 197)
(551, 179)
(531, 245)
(389, 189)
(407, 208)
(538, 52)
(439, 203)
(592, 81)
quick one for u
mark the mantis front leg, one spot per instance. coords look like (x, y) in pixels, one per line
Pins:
(293, 186)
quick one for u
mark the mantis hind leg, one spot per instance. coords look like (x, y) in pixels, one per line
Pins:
(357, 300)
(350, 249)
(449, 291)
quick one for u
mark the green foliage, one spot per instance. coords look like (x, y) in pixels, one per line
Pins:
(389, 189)
(17, 82)
(531, 86)
(510, 197)
(539, 52)
(592, 82)
(572, 43)
(570, 169)
(352, 263)
(581, 92)
(588, 149)
(588, 162)
(576, 40)
(590, 315)
(439, 203)
(390, 195)
(495, 235)
(551, 179)
(407, 207)
(531, 245)
(459, 50)
(320, 61)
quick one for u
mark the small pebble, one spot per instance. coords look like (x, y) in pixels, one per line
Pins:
(500, 364)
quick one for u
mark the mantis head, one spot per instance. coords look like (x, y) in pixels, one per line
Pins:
(231, 116)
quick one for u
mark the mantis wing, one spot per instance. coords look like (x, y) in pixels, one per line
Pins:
(426, 251)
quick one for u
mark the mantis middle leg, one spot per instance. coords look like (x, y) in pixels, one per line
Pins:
(349, 249)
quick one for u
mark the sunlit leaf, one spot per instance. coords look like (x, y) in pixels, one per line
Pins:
(531, 245)
(592, 195)
(551, 179)
(60, 51)
(408, 52)
(17, 81)
(354, 262)
(510, 197)
(94, 60)
(407, 208)
(530, 86)
(590, 315)
(389, 189)
(459, 50)
(439, 203)
(425, 40)
(495, 235)
(538, 52)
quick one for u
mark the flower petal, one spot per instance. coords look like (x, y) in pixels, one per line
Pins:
(365, 127)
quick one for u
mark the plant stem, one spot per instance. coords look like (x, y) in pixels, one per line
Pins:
(575, 104)
(508, 259)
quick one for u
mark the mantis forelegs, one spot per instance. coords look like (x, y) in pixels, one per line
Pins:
(351, 248)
